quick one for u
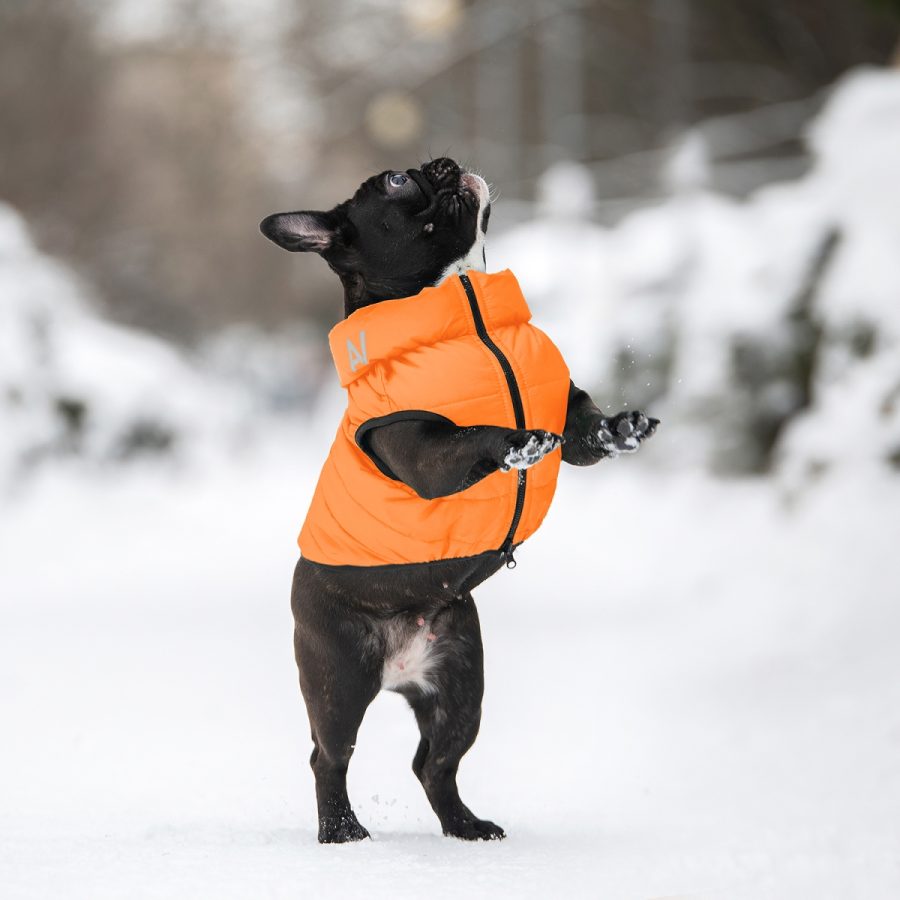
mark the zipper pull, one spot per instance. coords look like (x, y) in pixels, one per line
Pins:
(508, 556)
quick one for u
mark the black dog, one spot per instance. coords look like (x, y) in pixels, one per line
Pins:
(402, 232)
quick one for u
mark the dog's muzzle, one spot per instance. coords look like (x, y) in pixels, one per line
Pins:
(442, 173)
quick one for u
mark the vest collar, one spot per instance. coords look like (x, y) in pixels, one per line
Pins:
(393, 328)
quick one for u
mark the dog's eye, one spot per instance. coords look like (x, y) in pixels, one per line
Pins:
(398, 179)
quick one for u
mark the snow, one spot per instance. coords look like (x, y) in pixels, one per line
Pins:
(74, 385)
(690, 692)
(693, 684)
(538, 445)
(675, 292)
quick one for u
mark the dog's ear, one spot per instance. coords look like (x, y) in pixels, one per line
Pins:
(309, 231)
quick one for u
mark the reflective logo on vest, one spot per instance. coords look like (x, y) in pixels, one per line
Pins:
(358, 356)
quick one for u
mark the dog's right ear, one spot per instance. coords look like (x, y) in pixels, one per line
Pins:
(308, 231)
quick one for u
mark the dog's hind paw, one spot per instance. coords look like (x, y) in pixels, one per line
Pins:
(525, 448)
(623, 433)
(341, 830)
(475, 830)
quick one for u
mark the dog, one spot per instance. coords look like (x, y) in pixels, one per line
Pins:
(408, 248)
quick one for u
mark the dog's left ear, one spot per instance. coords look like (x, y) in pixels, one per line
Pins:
(308, 231)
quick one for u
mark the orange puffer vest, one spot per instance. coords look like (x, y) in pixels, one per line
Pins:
(463, 351)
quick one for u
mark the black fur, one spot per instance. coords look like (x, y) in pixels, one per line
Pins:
(387, 241)
(391, 240)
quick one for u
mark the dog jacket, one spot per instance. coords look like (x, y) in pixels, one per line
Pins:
(465, 352)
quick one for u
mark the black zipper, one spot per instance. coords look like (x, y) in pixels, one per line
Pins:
(518, 410)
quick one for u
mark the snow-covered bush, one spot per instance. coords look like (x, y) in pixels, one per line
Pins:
(854, 418)
(73, 384)
(763, 330)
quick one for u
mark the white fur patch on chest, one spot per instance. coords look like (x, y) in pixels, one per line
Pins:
(474, 259)
(410, 659)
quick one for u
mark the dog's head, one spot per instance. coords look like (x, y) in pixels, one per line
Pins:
(399, 233)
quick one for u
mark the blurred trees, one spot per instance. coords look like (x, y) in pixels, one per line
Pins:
(148, 160)
(136, 163)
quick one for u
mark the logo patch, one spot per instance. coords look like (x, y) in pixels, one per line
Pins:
(358, 356)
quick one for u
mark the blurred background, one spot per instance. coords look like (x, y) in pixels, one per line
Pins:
(702, 203)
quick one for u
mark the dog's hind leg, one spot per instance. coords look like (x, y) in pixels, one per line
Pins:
(338, 686)
(449, 718)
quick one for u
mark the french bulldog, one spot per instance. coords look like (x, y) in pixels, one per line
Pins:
(361, 629)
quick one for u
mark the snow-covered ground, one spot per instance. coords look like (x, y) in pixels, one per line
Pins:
(692, 691)
(693, 684)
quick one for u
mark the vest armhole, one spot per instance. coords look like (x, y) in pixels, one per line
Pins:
(404, 415)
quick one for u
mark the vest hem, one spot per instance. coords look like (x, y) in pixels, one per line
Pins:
(427, 564)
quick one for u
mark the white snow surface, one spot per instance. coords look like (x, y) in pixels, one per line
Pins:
(693, 685)
(692, 691)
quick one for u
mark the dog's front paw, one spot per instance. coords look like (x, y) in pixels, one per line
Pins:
(623, 433)
(522, 449)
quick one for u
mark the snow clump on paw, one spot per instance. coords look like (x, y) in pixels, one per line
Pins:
(534, 450)
(607, 439)
(625, 435)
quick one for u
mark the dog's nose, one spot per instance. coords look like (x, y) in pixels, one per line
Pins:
(442, 172)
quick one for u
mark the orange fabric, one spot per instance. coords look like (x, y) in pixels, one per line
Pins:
(423, 353)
